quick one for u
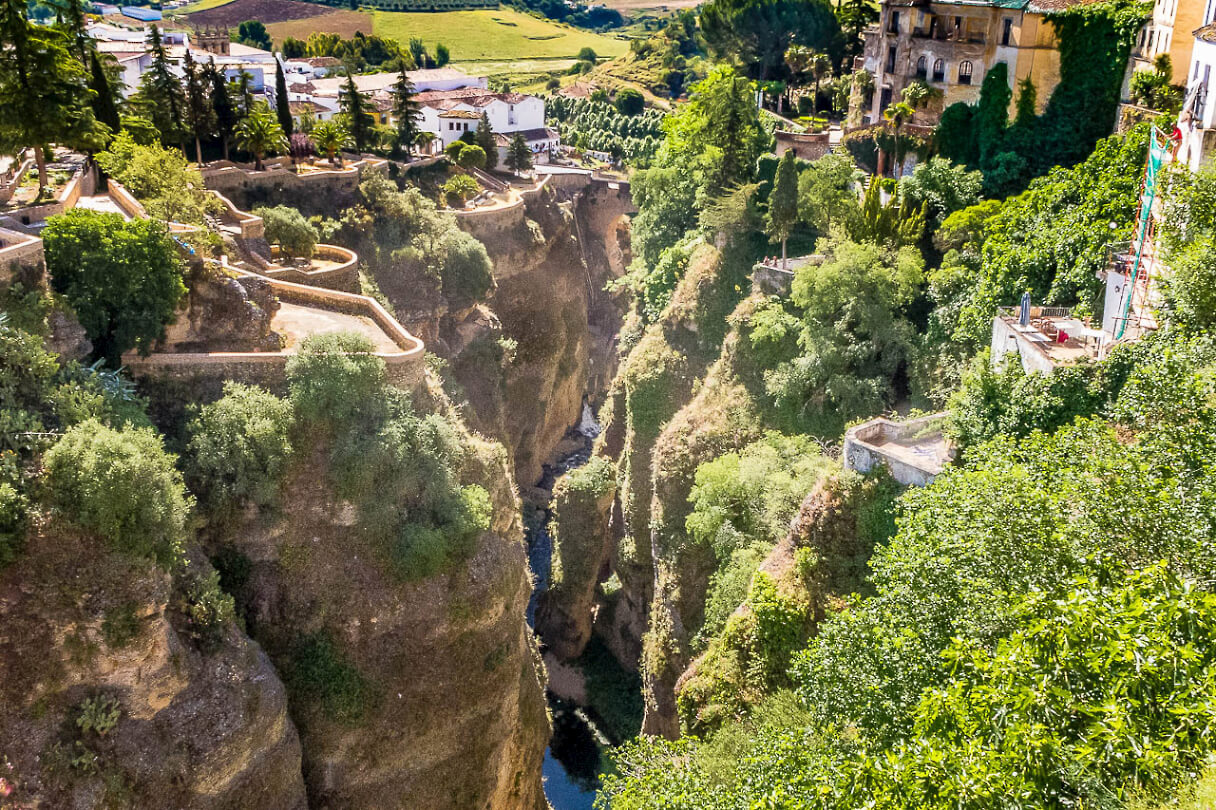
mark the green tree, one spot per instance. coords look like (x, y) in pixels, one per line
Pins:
(587, 55)
(161, 178)
(471, 156)
(485, 139)
(253, 33)
(282, 105)
(783, 203)
(123, 279)
(44, 92)
(941, 186)
(458, 189)
(287, 228)
(519, 156)
(827, 194)
(334, 376)
(105, 108)
(895, 117)
(200, 119)
(226, 117)
(759, 32)
(992, 114)
(121, 485)
(406, 114)
(260, 134)
(629, 102)
(357, 110)
(160, 92)
(442, 55)
(835, 356)
(331, 137)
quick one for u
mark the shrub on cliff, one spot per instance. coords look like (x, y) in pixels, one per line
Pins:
(239, 447)
(467, 271)
(121, 485)
(287, 228)
(334, 376)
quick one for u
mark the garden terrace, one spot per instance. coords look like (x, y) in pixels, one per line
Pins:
(1053, 337)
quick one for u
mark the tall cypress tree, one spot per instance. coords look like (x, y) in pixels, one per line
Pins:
(200, 115)
(161, 92)
(221, 103)
(405, 114)
(282, 106)
(104, 108)
(356, 107)
(485, 139)
(783, 203)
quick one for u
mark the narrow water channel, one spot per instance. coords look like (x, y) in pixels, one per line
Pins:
(572, 760)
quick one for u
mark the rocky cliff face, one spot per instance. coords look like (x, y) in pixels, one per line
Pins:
(109, 702)
(406, 694)
(552, 259)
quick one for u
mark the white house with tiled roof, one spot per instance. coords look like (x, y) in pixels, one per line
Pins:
(1197, 121)
(448, 114)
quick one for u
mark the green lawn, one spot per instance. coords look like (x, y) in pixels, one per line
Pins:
(494, 34)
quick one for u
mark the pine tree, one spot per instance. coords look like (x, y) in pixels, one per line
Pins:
(359, 119)
(44, 89)
(72, 21)
(200, 114)
(221, 102)
(783, 203)
(281, 103)
(405, 115)
(519, 157)
(161, 93)
(484, 138)
(104, 108)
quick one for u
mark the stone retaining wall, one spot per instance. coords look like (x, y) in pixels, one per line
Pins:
(343, 276)
(17, 250)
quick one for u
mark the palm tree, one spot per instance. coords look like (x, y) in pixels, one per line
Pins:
(260, 134)
(331, 137)
(424, 140)
(821, 66)
(896, 116)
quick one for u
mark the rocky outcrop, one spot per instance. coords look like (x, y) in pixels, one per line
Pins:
(582, 532)
(224, 313)
(110, 703)
(407, 693)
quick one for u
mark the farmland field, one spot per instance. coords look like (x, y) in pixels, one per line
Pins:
(495, 34)
(501, 34)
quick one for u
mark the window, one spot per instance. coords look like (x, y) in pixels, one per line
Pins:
(958, 26)
(922, 68)
(939, 71)
(885, 98)
(1007, 32)
(891, 59)
(893, 23)
(964, 72)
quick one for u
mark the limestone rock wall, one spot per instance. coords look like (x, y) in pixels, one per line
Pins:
(199, 728)
(452, 711)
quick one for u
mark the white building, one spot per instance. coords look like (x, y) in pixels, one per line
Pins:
(129, 48)
(1197, 121)
(507, 112)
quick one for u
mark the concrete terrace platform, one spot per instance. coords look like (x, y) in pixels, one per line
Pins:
(296, 322)
(915, 451)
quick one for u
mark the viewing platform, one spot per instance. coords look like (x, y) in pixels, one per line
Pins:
(915, 452)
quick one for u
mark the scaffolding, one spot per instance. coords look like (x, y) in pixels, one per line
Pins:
(1144, 242)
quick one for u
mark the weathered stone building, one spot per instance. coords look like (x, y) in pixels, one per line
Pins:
(951, 46)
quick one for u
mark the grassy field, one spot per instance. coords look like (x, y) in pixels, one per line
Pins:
(494, 34)
(484, 35)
